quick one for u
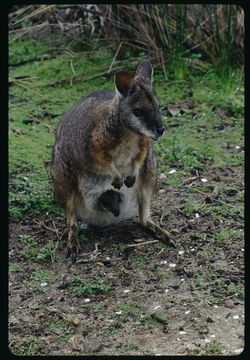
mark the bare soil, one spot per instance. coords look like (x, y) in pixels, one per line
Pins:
(160, 300)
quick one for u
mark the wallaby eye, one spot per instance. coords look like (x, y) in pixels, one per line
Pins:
(138, 112)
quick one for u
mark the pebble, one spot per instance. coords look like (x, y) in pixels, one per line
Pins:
(187, 312)
(212, 336)
(204, 180)
(166, 291)
(236, 317)
(76, 321)
(237, 351)
(163, 176)
(172, 265)
(172, 171)
(207, 340)
(163, 262)
(197, 215)
(87, 300)
(182, 332)
(118, 312)
(161, 191)
(157, 307)
(43, 284)
(181, 252)
(126, 291)
(175, 231)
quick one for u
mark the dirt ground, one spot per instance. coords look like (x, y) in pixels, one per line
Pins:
(160, 300)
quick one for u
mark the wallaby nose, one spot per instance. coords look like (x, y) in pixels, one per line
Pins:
(160, 130)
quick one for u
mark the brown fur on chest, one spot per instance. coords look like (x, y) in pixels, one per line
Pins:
(126, 150)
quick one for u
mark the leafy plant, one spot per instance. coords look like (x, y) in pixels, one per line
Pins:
(80, 287)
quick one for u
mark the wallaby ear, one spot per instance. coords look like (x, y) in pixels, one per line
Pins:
(145, 70)
(123, 82)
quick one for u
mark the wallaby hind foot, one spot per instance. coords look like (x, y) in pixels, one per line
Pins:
(159, 231)
(147, 222)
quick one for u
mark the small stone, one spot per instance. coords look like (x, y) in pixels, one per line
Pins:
(87, 300)
(204, 180)
(163, 176)
(172, 171)
(163, 262)
(166, 291)
(182, 332)
(236, 317)
(157, 307)
(76, 321)
(161, 191)
(172, 265)
(175, 231)
(126, 291)
(181, 252)
(197, 215)
(210, 320)
(43, 284)
(187, 312)
(237, 351)
(99, 263)
(118, 312)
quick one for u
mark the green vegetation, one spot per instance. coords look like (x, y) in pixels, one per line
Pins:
(31, 345)
(96, 286)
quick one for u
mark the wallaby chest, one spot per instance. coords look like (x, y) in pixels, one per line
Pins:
(125, 152)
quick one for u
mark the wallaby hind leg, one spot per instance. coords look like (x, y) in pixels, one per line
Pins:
(73, 246)
(146, 221)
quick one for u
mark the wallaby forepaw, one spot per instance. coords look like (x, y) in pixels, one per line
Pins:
(117, 183)
(129, 181)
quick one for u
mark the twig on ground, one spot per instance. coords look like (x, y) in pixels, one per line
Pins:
(143, 243)
(190, 180)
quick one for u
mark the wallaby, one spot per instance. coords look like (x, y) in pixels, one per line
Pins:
(103, 142)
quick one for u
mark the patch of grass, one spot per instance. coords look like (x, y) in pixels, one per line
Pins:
(215, 347)
(96, 286)
(47, 252)
(16, 267)
(129, 309)
(139, 260)
(130, 347)
(28, 239)
(40, 276)
(62, 329)
(30, 346)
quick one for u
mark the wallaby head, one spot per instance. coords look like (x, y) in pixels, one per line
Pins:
(138, 106)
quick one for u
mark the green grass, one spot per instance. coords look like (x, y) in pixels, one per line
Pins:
(80, 287)
(184, 147)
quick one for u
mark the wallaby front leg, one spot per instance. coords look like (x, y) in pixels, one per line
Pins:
(130, 179)
(106, 161)
(117, 181)
(73, 246)
(137, 162)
